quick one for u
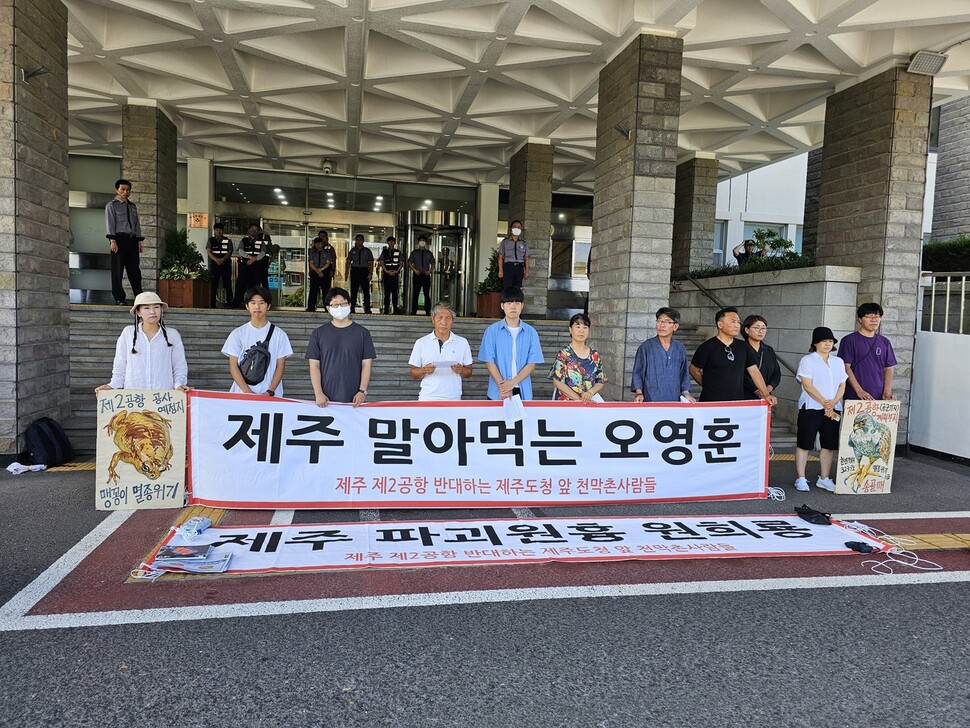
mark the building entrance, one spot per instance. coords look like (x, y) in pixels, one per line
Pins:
(448, 241)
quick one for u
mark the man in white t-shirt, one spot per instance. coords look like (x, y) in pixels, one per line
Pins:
(257, 329)
(441, 359)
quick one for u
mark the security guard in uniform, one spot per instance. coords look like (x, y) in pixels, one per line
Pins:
(390, 262)
(219, 249)
(252, 268)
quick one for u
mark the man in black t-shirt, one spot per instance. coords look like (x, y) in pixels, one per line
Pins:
(340, 354)
(719, 363)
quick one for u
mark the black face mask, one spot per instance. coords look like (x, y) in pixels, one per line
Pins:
(812, 516)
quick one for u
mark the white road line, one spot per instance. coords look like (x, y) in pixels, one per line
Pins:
(369, 515)
(314, 606)
(52, 576)
(523, 513)
(282, 517)
(900, 516)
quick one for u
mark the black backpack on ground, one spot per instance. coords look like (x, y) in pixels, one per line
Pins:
(254, 363)
(47, 443)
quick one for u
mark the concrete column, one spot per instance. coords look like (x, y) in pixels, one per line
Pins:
(813, 183)
(871, 200)
(633, 199)
(530, 200)
(200, 193)
(695, 204)
(34, 315)
(951, 201)
(486, 233)
(148, 158)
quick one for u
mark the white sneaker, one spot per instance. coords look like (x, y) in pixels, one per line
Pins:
(825, 484)
(802, 484)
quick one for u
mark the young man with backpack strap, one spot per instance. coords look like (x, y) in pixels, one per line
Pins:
(257, 330)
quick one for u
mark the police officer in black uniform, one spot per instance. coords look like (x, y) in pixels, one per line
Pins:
(360, 268)
(390, 262)
(253, 265)
(321, 262)
(219, 249)
(421, 263)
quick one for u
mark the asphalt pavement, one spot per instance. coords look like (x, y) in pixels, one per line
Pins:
(855, 652)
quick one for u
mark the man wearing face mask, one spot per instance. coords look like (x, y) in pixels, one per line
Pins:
(421, 263)
(340, 354)
(513, 258)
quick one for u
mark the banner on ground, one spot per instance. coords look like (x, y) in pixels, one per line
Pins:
(261, 452)
(140, 449)
(867, 446)
(409, 544)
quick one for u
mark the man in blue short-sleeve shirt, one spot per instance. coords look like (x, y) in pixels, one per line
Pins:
(510, 350)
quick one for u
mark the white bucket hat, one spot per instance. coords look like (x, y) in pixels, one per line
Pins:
(147, 298)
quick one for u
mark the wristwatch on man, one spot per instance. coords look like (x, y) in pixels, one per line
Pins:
(362, 391)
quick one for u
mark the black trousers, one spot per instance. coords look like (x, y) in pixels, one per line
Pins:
(359, 279)
(421, 282)
(391, 288)
(514, 275)
(126, 260)
(318, 285)
(246, 278)
(220, 274)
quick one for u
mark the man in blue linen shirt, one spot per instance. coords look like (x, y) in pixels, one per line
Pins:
(510, 350)
(660, 368)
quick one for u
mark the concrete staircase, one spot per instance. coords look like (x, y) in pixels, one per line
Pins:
(95, 330)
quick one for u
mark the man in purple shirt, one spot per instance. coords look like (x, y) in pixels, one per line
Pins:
(868, 357)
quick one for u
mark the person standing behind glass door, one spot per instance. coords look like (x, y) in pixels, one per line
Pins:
(421, 263)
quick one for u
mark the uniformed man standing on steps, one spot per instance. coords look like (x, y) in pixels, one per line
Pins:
(321, 262)
(124, 241)
(360, 270)
(219, 249)
(390, 263)
(421, 263)
(253, 264)
(513, 258)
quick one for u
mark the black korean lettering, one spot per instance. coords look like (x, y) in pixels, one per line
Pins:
(391, 453)
(720, 433)
(319, 424)
(497, 432)
(545, 445)
(269, 435)
(319, 539)
(616, 433)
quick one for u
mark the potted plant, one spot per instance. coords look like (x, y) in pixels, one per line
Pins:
(182, 278)
(488, 292)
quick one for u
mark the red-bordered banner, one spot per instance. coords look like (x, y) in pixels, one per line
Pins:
(323, 546)
(262, 452)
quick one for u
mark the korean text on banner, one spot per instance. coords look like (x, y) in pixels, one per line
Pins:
(261, 452)
(867, 446)
(140, 449)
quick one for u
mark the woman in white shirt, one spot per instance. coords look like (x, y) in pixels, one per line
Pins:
(823, 377)
(148, 355)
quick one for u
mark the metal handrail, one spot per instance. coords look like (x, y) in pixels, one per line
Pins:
(948, 281)
(721, 305)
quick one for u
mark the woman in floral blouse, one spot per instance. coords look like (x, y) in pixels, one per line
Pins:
(577, 374)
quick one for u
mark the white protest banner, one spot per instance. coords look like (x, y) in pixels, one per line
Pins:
(140, 449)
(262, 452)
(409, 544)
(867, 446)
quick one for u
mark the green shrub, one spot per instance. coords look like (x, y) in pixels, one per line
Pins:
(182, 259)
(947, 256)
(781, 256)
(491, 283)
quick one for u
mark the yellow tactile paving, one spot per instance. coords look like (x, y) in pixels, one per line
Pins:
(71, 466)
(790, 457)
(213, 514)
(935, 541)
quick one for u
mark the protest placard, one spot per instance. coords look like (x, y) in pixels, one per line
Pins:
(867, 446)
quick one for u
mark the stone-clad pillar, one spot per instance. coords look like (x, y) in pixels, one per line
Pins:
(813, 182)
(871, 201)
(951, 201)
(633, 200)
(695, 205)
(530, 200)
(34, 315)
(149, 158)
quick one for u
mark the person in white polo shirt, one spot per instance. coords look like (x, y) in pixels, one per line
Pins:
(441, 359)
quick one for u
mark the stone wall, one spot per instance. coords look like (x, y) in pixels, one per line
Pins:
(695, 208)
(951, 201)
(794, 302)
(34, 378)
(633, 200)
(149, 160)
(813, 183)
(530, 200)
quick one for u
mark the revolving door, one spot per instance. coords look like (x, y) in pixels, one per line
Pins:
(448, 241)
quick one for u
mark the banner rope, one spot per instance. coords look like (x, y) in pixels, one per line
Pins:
(775, 493)
(898, 554)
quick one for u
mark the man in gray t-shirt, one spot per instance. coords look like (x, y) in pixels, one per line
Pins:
(340, 354)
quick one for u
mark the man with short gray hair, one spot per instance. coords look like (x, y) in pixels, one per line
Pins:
(660, 368)
(441, 359)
